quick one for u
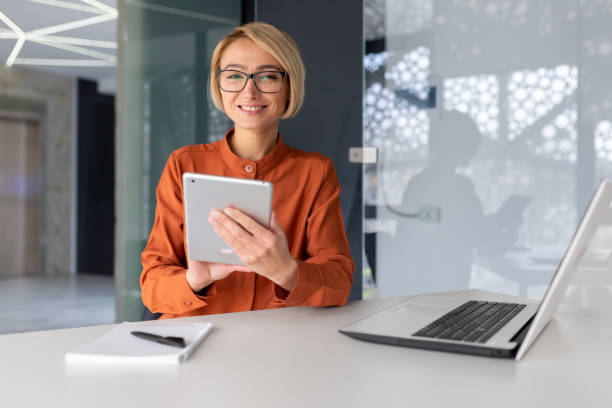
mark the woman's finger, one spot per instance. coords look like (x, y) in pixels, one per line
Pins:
(275, 226)
(218, 218)
(245, 221)
(232, 233)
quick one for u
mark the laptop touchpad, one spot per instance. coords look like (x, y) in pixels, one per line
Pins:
(401, 320)
(435, 300)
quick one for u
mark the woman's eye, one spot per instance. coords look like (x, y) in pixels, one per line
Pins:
(234, 77)
(268, 77)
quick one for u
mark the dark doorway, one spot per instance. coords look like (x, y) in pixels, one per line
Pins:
(96, 180)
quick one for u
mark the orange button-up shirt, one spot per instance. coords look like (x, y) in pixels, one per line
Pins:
(307, 204)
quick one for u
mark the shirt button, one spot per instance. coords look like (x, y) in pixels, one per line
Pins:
(249, 168)
(188, 303)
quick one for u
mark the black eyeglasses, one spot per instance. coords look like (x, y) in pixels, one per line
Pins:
(231, 80)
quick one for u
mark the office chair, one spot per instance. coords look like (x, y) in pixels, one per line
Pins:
(149, 315)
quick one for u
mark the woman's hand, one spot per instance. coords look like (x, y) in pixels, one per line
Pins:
(264, 251)
(201, 274)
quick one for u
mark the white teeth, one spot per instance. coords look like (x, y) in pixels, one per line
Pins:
(252, 108)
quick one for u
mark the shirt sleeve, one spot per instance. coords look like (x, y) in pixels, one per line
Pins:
(163, 282)
(325, 275)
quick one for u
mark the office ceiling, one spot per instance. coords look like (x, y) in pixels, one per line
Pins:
(76, 38)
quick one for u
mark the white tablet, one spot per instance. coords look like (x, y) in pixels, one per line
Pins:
(203, 193)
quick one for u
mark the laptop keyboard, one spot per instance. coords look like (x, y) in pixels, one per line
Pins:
(473, 321)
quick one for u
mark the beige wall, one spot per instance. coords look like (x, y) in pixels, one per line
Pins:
(20, 196)
(50, 97)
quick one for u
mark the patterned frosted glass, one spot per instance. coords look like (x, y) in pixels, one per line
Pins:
(483, 185)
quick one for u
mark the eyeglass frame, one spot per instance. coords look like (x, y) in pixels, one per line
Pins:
(251, 77)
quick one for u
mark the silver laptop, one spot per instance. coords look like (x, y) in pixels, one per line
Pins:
(486, 323)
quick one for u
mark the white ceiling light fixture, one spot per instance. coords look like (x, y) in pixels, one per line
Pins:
(65, 62)
(69, 5)
(75, 49)
(101, 6)
(75, 45)
(77, 41)
(71, 25)
(21, 37)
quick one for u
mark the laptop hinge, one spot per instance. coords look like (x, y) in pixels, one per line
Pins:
(520, 335)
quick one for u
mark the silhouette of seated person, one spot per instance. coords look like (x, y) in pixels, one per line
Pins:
(443, 223)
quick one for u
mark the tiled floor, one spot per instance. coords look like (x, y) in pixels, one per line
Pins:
(44, 303)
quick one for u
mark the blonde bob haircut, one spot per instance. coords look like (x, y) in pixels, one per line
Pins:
(276, 43)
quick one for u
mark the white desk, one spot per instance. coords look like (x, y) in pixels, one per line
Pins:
(296, 358)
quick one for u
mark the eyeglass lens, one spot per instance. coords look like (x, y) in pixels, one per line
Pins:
(266, 81)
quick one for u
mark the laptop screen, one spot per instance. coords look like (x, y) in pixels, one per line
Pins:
(593, 215)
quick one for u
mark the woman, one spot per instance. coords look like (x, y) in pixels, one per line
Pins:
(257, 78)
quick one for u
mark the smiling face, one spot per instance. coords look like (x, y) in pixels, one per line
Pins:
(250, 109)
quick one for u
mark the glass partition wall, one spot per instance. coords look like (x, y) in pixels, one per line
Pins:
(491, 121)
(493, 124)
(163, 103)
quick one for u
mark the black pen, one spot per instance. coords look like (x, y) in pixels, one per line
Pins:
(171, 341)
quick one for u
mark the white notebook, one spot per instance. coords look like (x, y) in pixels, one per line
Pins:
(119, 346)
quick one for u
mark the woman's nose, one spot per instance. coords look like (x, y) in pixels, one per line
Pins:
(249, 88)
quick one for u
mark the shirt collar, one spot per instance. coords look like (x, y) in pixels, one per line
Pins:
(266, 163)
